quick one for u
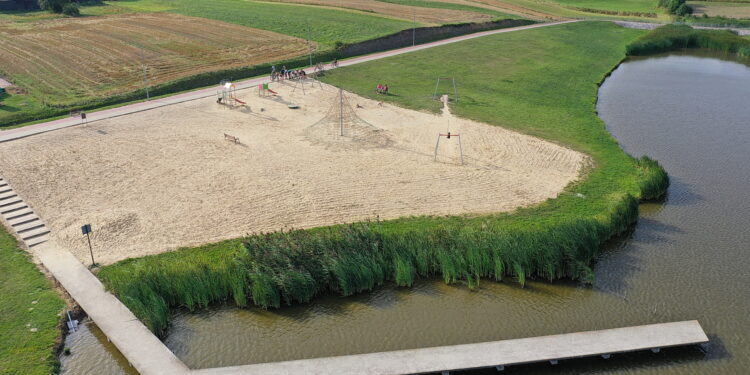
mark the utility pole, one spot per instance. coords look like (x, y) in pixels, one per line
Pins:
(414, 28)
(341, 111)
(309, 42)
(145, 74)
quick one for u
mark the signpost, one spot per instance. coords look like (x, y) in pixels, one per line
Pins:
(86, 229)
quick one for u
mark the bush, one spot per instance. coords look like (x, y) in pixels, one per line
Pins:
(71, 9)
(676, 7)
(56, 6)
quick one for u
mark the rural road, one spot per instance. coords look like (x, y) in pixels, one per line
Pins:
(26, 131)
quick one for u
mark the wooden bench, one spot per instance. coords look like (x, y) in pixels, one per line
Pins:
(231, 138)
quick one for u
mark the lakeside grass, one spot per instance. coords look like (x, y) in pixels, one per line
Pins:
(541, 82)
(675, 37)
(27, 301)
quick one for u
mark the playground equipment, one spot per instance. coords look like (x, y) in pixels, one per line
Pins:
(231, 138)
(300, 82)
(264, 90)
(436, 95)
(342, 124)
(228, 95)
(448, 136)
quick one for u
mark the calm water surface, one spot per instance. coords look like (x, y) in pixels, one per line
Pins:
(688, 258)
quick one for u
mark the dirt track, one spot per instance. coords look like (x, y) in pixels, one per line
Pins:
(164, 178)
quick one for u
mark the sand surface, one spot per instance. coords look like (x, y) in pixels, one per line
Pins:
(161, 179)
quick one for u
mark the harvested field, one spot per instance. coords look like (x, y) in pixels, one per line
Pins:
(69, 60)
(721, 9)
(433, 16)
(165, 178)
(508, 7)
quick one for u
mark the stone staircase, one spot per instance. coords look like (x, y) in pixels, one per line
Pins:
(20, 217)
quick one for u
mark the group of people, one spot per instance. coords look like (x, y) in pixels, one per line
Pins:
(285, 73)
(382, 89)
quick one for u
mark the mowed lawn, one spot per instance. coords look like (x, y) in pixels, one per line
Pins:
(29, 311)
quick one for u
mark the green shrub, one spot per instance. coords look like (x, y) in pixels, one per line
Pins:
(56, 6)
(71, 9)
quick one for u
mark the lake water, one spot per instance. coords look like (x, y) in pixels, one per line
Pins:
(687, 258)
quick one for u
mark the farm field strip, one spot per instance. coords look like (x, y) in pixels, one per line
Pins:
(68, 60)
(722, 9)
(434, 16)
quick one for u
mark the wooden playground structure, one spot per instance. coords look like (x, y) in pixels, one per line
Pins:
(228, 95)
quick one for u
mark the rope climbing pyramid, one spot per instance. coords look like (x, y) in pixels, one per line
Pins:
(342, 126)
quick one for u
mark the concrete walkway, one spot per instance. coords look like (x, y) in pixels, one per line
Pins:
(496, 354)
(145, 352)
(26, 131)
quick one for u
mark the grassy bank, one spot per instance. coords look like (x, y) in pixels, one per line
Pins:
(675, 37)
(541, 82)
(29, 309)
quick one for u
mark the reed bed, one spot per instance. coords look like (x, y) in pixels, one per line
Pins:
(675, 37)
(282, 268)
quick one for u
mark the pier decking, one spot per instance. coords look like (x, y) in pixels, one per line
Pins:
(488, 354)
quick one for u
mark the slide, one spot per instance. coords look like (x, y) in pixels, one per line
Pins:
(239, 101)
(273, 92)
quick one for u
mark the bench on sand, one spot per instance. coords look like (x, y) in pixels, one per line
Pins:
(231, 138)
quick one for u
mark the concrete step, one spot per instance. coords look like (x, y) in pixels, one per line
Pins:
(8, 193)
(24, 228)
(13, 208)
(37, 241)
(5, 189)
(9, 202)
(15, 223)
(10, 217)
(34, 233)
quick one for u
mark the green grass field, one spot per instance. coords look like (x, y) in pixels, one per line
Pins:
(442, 5)
(29, 309)
(568, 8)
(326, 25)
(644, 6)
(542, 82)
